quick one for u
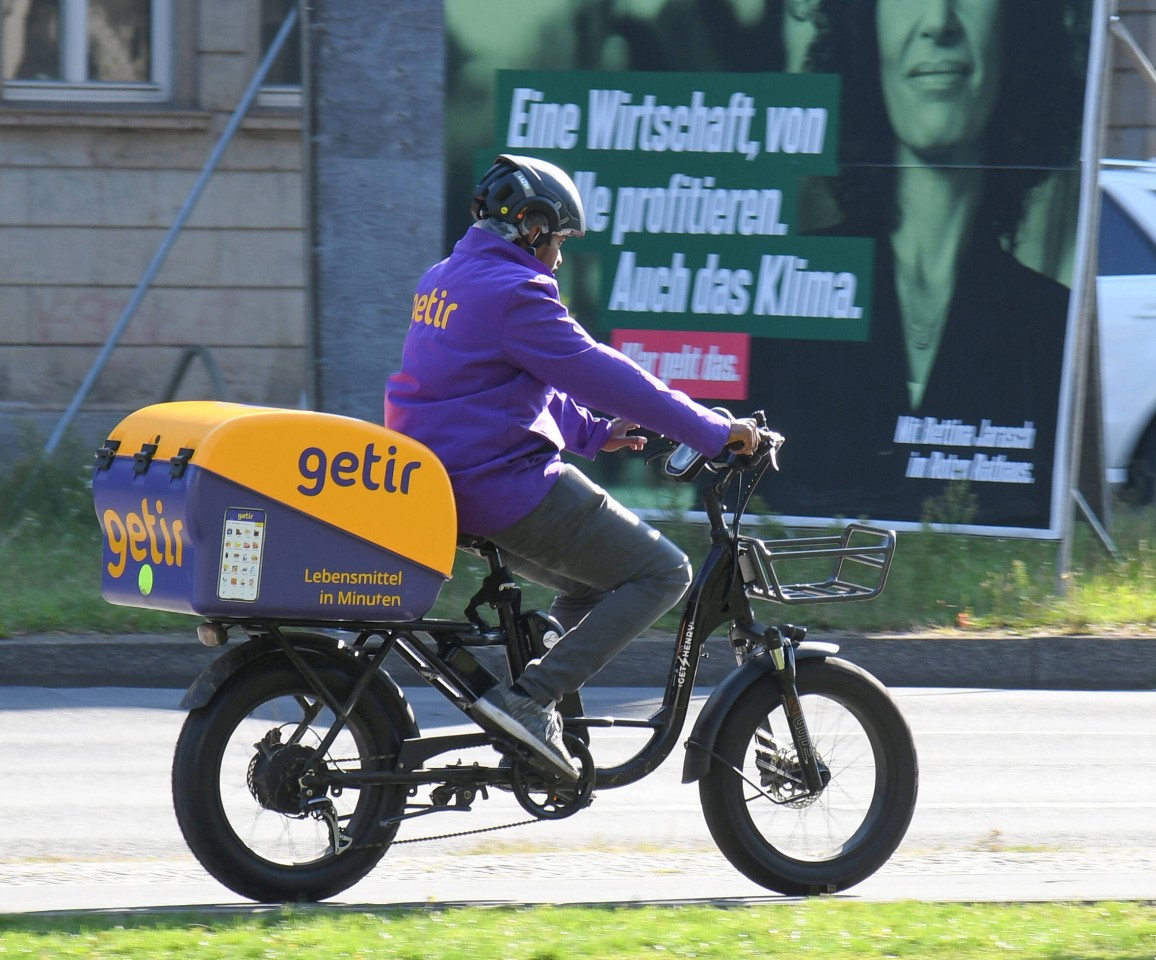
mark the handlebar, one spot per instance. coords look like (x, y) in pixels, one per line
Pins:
(684, 463)
(769, 443)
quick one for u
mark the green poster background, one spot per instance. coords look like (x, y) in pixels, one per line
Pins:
(607, 90)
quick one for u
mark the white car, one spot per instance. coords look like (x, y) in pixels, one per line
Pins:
(1126, 290)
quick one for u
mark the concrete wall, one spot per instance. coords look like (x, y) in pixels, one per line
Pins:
(87, 193)
(375, 161)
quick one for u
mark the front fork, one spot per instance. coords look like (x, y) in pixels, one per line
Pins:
(779, 644)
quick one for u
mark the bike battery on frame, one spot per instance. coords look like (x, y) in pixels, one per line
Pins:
(234, 511)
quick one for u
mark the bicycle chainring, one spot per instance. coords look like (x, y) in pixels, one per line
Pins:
(548, 799)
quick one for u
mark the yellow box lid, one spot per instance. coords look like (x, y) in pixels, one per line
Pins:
(365, 479)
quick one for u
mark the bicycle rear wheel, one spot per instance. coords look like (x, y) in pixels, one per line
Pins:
(252, 798)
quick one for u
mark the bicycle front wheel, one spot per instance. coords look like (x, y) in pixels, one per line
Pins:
(764, 820)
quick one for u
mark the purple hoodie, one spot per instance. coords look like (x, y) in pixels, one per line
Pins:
(496, 376)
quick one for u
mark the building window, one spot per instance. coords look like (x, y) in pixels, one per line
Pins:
(282, 86)
(87, 50)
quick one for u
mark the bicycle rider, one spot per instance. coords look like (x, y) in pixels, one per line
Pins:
(496, 378)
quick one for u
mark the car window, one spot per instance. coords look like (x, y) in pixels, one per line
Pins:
(1124, 248)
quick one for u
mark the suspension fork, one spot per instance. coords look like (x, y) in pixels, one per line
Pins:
(779, 642)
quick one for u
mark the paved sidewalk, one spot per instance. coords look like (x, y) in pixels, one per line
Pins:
(587, 878)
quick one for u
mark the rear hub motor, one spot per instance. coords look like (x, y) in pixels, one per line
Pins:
(276, 772)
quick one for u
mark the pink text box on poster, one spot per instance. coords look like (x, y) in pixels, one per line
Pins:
(703, 365)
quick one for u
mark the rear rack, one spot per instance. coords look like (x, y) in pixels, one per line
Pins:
(866, 550)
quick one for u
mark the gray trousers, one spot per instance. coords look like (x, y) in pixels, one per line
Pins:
(614, 575)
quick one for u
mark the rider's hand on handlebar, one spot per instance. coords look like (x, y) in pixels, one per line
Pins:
(744, 436)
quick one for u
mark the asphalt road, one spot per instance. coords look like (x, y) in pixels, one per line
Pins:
(1025, 795)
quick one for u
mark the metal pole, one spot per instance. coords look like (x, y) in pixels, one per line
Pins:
(1090, 157)
(171, 237)
(1124, 35)
(1101, 530)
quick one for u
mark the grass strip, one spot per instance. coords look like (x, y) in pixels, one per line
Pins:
(828, 929)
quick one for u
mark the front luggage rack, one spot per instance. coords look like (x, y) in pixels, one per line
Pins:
(852, 565)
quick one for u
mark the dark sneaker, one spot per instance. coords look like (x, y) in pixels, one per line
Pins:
(537, 727)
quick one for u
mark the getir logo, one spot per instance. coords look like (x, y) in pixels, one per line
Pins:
(143, 536)
(348, 468)
(432, 309)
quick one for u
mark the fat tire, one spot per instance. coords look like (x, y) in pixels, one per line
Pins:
(198, 803)
(721, 790)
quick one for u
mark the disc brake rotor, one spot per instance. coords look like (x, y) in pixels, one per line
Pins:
(780, 772)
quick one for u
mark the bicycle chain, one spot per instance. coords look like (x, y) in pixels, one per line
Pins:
(445, 836)
(438, 836)
(466, 833)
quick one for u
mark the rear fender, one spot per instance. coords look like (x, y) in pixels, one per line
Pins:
(313, 647)
(758, 670)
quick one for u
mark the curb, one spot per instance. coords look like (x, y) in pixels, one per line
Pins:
(1005, 663)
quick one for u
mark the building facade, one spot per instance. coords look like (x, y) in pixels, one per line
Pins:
(109, 110)
(98, 156)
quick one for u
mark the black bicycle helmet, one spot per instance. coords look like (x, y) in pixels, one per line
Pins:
(515, 186)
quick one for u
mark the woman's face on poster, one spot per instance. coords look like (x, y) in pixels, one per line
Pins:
(940, 73)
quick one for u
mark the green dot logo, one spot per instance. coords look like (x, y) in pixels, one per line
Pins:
(144, 580)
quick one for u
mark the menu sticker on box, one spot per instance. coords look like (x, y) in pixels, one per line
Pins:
(242, 547)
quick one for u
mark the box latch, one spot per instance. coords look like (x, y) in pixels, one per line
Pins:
(180, 463)
(106, 454)
(142, 459)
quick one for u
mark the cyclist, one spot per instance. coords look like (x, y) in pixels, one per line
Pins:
(497, 378)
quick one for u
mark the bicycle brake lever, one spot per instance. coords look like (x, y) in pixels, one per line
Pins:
(775, 440)
(666, 446)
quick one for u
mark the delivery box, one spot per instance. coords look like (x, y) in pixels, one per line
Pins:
(231, 511)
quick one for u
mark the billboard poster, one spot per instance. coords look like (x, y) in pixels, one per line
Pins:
(861, 217)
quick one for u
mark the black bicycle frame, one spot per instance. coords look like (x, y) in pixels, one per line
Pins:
(444, 660)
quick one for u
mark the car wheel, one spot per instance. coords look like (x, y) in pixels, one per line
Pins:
(1141, 487)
